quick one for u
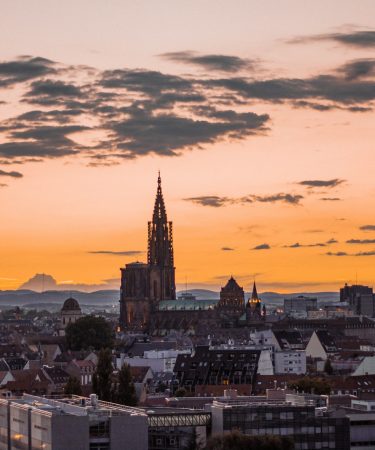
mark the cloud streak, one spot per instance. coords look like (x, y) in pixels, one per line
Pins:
(116, 253)
(322, 183)
(217, 201)
(222, 63)
(361, 241)
(341, 253)
(12, 174)
(355, 38)
(367, 228)
(262, 247)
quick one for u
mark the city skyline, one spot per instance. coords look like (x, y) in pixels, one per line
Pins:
(263, 135)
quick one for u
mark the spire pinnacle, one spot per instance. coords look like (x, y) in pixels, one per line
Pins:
(254, 295)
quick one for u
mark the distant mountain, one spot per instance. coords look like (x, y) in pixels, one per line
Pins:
(111, 297)
(23, 297)
(41, 282)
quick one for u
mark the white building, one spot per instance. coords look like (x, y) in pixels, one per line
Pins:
(367, 367)
(293, 362)
(157, 360)
(265, 366)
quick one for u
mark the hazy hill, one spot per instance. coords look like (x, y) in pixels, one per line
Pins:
(109, 297)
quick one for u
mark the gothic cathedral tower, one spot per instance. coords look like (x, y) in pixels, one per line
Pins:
(143, 286)
(160, 252)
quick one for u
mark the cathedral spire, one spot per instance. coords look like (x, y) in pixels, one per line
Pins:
(254, 295)
(160, 248)
(159, 208)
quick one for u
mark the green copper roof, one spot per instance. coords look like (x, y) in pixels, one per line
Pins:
(187, 305)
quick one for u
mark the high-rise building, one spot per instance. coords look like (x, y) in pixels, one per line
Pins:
(349, 293)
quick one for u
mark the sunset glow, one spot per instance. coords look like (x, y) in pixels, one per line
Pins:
(259, 117)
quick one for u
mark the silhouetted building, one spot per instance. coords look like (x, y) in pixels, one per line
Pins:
(349, 293)
(361, 299)
(70, 312)
(254, 309)
(143, 286)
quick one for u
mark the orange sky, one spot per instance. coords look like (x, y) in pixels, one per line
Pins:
(63, 209)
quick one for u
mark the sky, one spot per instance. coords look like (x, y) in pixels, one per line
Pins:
(258, 113)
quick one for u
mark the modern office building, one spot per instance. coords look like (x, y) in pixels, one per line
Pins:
(309, 427)
(77, 423)
(300, 305)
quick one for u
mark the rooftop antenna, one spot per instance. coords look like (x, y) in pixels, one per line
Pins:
(42, 283)
(185, 284)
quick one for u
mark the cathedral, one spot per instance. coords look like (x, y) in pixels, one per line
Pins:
(148, 290)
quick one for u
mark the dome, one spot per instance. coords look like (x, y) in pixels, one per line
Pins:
(71, 304)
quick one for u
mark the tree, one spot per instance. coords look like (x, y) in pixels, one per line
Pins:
(73, 387)
(239, 441)
(89, 332)
(102, 379)
(124, 392)
(311, 386)
(328, 369)
(181, 392)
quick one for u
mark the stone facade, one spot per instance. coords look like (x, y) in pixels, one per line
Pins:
(143, 285)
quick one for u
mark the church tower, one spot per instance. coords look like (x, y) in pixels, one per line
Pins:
(144, 285)
(160, 252)
(254, 307)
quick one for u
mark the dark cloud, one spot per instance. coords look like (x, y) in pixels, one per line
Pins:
(216, 201)
(359, 68)
(12, 174)
(367, 228)
(116, 253)
(142, 112)
(143, 132)
(337, 254)
(64, 115)
(50, 88)
(329, 107)
(360, 241)
(41, 142)
(24, 69)
(292, 199)
(370, 253)
(332, 241)
(324, 87)
(298, 245)
(222, 63)
(330, 199)
(145, 81)
(210, 200)
(227, 249)
(322, 183)
(262, 247)
(356, 38)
